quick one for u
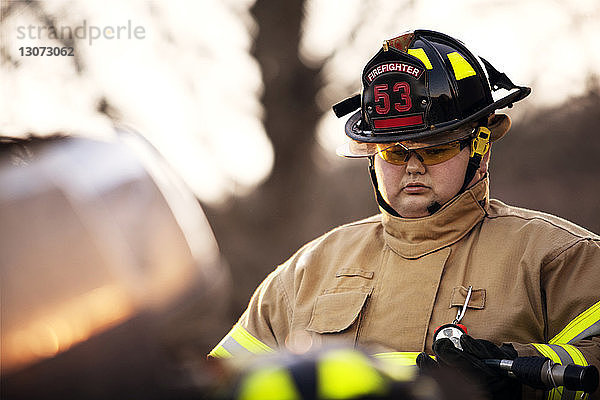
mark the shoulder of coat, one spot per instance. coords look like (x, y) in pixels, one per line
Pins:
(347, 228)
(539, 220)
(342, 236)
(374, 219)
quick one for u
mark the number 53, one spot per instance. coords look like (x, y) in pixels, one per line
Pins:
(381, 93)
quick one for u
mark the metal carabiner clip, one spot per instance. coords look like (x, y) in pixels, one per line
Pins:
(454, 330)
(461, 311)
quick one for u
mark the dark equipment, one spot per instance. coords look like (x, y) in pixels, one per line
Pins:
(542, 373)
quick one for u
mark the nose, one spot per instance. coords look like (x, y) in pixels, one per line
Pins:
(414, 165)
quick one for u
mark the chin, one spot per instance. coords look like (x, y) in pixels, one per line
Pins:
(412, 213)
(413, 209)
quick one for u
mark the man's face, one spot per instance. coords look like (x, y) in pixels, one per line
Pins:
(413, 187)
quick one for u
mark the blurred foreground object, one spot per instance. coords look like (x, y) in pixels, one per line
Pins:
(342, 373)
(112, 281)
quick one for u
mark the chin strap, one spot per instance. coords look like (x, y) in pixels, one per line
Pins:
(380, 200)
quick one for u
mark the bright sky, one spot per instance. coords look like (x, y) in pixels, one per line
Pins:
(191, 86)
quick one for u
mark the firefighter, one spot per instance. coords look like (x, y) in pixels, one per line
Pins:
(505, 282)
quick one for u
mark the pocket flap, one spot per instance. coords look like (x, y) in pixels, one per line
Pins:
(334, 312)
(459, 295)
(354, 272)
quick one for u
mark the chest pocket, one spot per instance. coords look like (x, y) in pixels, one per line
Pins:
(337, 312)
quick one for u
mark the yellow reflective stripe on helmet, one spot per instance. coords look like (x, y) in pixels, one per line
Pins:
(462, 68)
(420, 54)
(345, 373)
(584, 325)
(269, 384)
(239, 341)
(401, 366)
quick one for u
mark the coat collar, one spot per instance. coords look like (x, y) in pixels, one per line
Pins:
(415, 237)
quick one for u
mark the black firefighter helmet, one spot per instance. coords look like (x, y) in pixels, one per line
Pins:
(425, 88)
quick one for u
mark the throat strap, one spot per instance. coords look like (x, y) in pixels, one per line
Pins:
(472, 167)
(380, 200)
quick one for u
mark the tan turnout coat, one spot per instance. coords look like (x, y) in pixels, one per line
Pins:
(387, 282)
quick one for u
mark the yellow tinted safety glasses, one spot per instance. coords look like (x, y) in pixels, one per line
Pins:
(397, 154)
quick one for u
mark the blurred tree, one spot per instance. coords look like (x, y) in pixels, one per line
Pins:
(195, 54)
(301, 197)
(549, 161)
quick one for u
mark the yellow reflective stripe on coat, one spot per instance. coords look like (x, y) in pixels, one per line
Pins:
(238, 342)
(401, 366)
(585, 325)
(274, 383)
(563, 354)
(546, 351)
(220, 352)
(345, 373)
(400, 357)
(575, 354)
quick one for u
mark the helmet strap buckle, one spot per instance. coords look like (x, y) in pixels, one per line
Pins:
(479, 146)
(480, 143)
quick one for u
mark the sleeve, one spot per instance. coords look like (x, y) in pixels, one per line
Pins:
(570, 286)
(263, 326)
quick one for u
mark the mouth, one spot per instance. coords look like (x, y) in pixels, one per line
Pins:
(415, 187)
